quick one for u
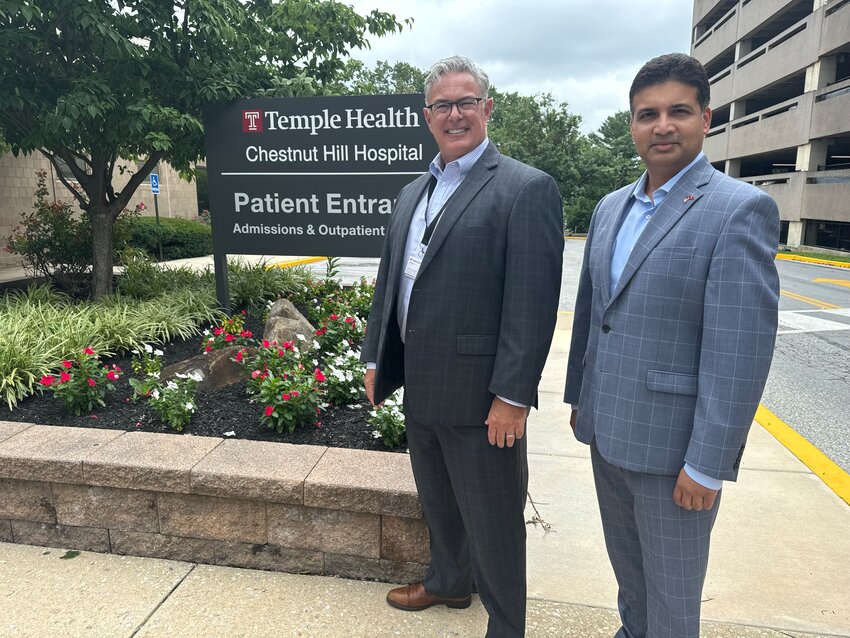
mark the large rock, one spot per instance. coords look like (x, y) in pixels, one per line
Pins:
(216, 368)
(285, 322)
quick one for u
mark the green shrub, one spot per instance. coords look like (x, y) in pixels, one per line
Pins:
(252, 284)
(145, 279)
(55, 241)
(181, 238)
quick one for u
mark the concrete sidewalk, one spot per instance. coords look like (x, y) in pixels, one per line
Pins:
(780, 565)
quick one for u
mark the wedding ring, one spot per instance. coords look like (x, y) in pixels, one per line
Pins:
(509, 436)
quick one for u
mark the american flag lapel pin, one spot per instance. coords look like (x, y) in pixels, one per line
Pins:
(689, 198)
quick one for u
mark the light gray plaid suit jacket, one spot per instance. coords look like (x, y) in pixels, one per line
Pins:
(670, 368)
(484, 305)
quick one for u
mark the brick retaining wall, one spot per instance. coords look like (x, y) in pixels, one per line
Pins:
(276, 506)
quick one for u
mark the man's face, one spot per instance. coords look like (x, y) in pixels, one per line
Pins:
(668, 128)
(457, 133)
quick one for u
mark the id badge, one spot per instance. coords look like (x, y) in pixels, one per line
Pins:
(412, 268)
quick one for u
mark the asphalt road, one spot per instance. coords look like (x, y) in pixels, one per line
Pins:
(809, 382)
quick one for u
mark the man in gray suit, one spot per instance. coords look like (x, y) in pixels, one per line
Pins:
(675, 322)
(464, 310)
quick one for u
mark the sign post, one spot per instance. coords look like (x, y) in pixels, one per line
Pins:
(155, 191)
(310, 176)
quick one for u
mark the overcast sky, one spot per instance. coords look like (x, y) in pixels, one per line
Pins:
(585, 52)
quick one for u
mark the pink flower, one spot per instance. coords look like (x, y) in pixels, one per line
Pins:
(349, 320)
(239, 355)
(295, 393)
(334, 317)
(318, 424)
(269, 410)
(317, 374)
(255, 374)
(66, 365)
(208, 349)
(247, 334)
(266, 343)
(47, 380)
(88, 351)
(228, 337)
(64, 377)
(218, 331)
(289, 345)
(285, 396)
(110, 375)
(91, 382)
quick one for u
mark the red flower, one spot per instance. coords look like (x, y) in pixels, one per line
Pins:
(285, 396)
(109, 375)
(64, 377)
(265, 343)
(91, 382)
(318, 424)
(228, 337)
(218, 331)
(317, 374)
(295, 393)
(66, 365)
(349, 320)
(47, 380)
(246, 333)
(280, 353)
(334, 317)
(88, 351)
(239, 355)
(208, 349)
(289, 345)
(244, 314)
(269, 410)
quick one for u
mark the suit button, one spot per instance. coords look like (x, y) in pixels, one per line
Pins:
(606, 328)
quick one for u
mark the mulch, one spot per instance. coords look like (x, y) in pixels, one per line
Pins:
(218, 412)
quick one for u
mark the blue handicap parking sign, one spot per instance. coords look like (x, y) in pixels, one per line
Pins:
(154, 183)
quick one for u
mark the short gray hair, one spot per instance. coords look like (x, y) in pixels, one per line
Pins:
(457, 64)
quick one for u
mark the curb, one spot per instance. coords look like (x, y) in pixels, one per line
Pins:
(297, 262)
(813, 260)
(826, 470)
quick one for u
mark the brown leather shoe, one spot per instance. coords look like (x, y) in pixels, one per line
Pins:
(415, 598)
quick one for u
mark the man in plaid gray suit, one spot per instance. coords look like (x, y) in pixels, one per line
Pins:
(464, 310)
(675, 322)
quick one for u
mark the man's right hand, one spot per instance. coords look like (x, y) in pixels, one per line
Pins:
(369, 384)
(573, 415)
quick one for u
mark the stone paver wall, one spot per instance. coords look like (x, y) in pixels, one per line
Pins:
(294, 508)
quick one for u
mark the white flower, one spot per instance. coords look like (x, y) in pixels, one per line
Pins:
(231, 433)
(300, 337)
(315, 344)
(170, 385)
(148, 348)
(157, 352)
(196, 376)
(345, 343)
(206, 332)
(155, 375)
(376, 434)
(190, 406)
(180, 375)
(315, 362)
(155, 394)
(134, 351)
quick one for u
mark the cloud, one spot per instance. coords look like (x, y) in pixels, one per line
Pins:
(583, 53)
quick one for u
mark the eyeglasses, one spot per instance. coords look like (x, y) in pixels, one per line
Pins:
(466, 105)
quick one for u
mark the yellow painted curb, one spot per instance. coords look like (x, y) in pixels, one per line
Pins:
(826, 470)
(812, 260)
(575, 238)
(297, 262)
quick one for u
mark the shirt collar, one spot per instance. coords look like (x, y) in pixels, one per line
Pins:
(464, 163)
(640, 188)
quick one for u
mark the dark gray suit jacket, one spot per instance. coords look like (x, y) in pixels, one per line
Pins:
(670, 368)
(484, 304)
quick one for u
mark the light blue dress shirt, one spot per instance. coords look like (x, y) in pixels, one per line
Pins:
(636, 220)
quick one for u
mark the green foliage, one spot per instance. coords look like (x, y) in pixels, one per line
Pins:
(344, 378)
(83, 382)
(338, 333)
(55, 242)
(388, 421)
(276, 360)
(181, 238)
(293, 400)
(147, 365)
(89, 83)
(324, 297)
(143, 279)
(385, 79)
(41, 327)
(231, 332)
(174, 401)
(253, 284)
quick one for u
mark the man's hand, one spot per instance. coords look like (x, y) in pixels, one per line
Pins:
(573, 415)
(506, 423)
(690, 495)
(369, 384)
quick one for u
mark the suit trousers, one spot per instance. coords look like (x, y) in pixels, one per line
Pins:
(659, 551)
(473, 498)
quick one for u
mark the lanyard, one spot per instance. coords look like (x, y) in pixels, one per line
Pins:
(429, 230)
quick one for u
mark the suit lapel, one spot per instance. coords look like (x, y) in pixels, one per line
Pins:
(403, 216)
(479, 174)
(619, 208)
(678, 201)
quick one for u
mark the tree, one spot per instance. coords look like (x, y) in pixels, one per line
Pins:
(542, 133)
(90, 83)
(385, 79)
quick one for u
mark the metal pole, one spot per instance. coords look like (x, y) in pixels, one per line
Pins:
(222, 290)
(158, 226)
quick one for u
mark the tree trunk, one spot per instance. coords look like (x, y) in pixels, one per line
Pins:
(101, 223)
